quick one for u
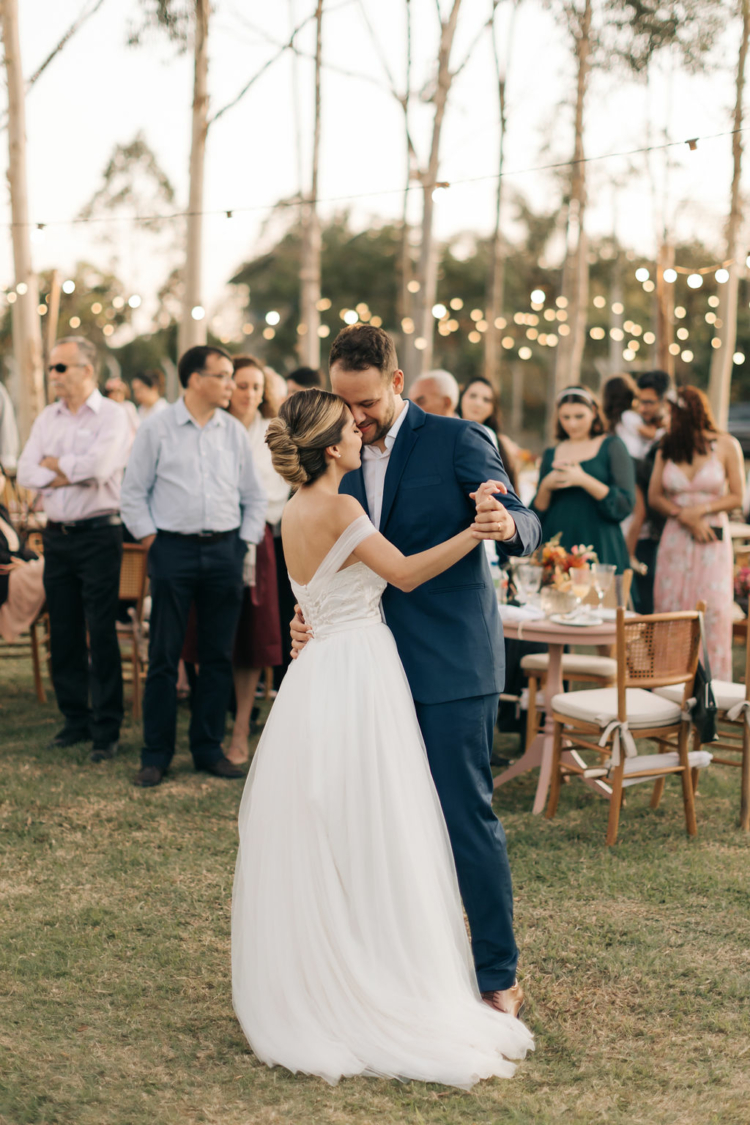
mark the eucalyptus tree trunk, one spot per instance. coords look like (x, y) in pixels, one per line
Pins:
(309, 274)
(427, 266)
(575, 277)
(27, 333)
(720, 379)
(192, 331)
(496, 265)
(407, 352)
(664, 309)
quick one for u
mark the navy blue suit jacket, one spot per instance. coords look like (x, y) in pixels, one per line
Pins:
(448, 630)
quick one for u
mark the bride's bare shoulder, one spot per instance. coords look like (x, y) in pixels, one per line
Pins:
(326, 512)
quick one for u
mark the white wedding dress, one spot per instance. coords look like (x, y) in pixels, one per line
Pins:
(349, 950)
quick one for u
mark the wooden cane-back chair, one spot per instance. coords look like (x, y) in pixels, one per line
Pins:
(733, 719)
(652, 652)
(576, 668)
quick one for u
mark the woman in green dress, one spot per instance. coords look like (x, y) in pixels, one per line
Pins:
(586, 481)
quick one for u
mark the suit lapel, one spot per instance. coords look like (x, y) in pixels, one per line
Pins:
(353, 484)
(405, 442)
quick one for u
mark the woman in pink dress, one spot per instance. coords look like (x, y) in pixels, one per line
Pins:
(698, 477)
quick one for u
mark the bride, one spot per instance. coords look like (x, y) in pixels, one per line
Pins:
(349, 949)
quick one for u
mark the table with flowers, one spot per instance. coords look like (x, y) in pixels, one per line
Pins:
(561, 572)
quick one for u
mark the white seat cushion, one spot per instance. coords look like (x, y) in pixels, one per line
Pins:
(643, 708)
(726, 693)
(571, 663)
(698, 759)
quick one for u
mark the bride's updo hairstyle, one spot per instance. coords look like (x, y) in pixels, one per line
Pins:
(308, 423)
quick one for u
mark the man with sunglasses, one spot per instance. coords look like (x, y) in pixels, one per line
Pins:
(75, 457)
(192, 496)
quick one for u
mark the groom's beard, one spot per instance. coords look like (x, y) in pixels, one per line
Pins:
(380, 429)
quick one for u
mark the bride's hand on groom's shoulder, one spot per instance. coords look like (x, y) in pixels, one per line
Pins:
(492, 521)
(301, 633)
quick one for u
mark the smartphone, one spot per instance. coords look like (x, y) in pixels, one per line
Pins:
(718, 531)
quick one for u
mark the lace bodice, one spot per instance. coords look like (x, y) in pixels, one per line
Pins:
(336, 600)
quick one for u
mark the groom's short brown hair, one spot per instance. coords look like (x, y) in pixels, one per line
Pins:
(359, 346)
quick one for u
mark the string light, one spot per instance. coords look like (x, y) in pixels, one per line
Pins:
(273, 317)
(350, 316)
(599, 302)
(324, 331)
(524, 353)
(738, 358)
(642, 274)
(413, 286)
(134, 301)
(69, 286)
(197, 312)
(12, 298)
(439, 311)
(118, 302)
(538, 296)
(248, 329)
(649, 338)
(474, 337)
(420, 343)
(687, 356)
(456, 303)
(722, 276)
(670, 276)
(695, 280)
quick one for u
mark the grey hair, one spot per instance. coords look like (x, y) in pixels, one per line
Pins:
(445, 383)
(86, 349)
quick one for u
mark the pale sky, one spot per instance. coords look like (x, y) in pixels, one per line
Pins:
(100, 92)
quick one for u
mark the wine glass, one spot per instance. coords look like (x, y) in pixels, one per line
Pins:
(528, 579)
(580, 584)
(603, 577)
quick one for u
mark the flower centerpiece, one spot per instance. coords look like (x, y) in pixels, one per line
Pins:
(557, 562)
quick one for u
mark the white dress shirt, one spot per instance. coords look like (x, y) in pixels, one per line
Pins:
(375, 466)
(188, 478)
(91, 447)
(145, 412)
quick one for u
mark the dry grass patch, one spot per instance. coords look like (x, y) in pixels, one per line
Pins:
(115, 991)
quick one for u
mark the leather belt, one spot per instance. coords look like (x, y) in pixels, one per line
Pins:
(199, 536)
(69, 526)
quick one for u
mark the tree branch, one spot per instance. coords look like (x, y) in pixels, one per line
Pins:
(487, 24)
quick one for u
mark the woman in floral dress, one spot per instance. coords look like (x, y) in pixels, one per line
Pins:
(698, 477)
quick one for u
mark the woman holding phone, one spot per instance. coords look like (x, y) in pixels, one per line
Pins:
(698, 477)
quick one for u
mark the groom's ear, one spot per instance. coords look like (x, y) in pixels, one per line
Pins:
(398, 382)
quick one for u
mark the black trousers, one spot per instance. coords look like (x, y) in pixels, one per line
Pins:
(184, 571)
(643, 584)
(81, 583)
(458, 737)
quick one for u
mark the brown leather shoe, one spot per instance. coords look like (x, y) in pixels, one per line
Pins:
(510, 1000)
(222, 767)
(149, 777)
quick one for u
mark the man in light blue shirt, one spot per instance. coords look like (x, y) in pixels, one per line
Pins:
(192, 496)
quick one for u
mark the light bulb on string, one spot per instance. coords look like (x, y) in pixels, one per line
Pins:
(197, 312)
(722, 276)
(69, 286)
(642, 274)
(670, 276)
(695, 280)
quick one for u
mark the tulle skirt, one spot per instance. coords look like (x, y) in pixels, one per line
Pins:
(349, 950)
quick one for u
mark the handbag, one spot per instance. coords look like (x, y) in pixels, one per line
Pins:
(704, 711)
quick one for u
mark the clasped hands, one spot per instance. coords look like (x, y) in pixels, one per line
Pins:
(565, 474)
(693, 518)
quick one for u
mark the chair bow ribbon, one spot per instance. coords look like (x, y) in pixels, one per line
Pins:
(621, 732)
(687, 715)
(733, 714)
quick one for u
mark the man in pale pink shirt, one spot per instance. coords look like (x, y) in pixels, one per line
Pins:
(75, 457)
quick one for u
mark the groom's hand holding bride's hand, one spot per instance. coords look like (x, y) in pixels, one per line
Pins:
(492, 520)
(301, 633)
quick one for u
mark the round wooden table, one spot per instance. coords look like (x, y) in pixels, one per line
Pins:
(556, 637)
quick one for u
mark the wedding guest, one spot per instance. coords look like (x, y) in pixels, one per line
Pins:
(75, 457)
(698, 477)
(302, 379)
(436, 392)
(117, 390)
(586, 481)
(618, 395)
(148, 391)
(193, 498)
(21, 579)
(258, 641)
(9, 440)
(479, 403)
(652, 408)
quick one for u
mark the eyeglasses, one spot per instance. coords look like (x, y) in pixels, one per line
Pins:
(61, 368)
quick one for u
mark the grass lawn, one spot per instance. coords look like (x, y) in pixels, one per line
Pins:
(115, 969)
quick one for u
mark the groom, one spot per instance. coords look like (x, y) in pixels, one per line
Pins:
(417, 473)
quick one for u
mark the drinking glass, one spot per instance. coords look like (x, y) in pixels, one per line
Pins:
(528, 579)
(580, 584)
(603, 578)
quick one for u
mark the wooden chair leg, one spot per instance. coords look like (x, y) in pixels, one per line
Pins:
(687, 784)
(554, 789)
(695, 776)
(615, 804)
(269, 681)
(745, 781)
(658, 791)
(532, 715)
(38, 685)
